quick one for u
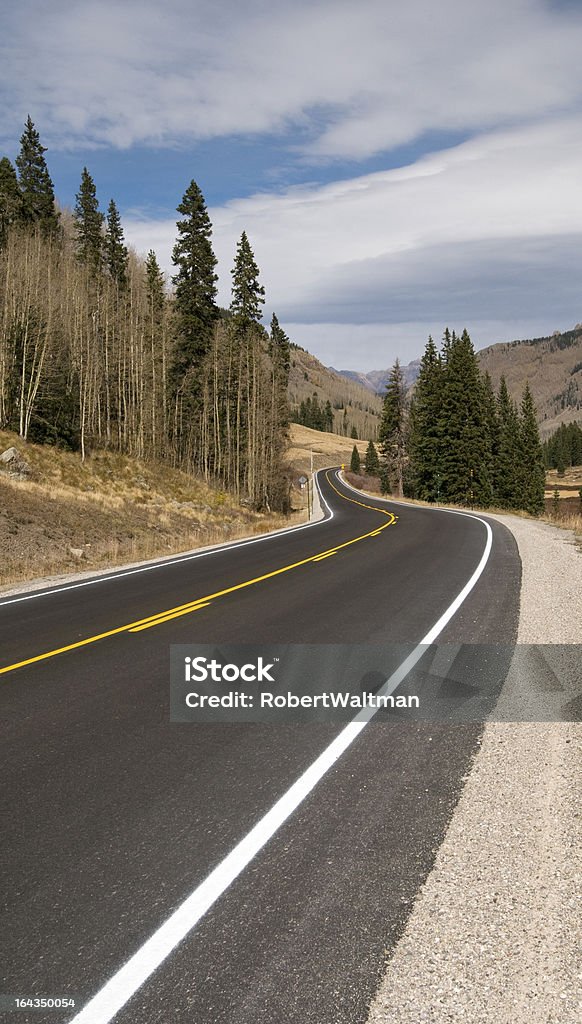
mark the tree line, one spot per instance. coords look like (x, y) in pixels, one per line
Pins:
(457, 440)
(563, 448)
(96, 351)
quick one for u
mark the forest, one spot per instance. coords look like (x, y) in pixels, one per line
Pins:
(98, 350)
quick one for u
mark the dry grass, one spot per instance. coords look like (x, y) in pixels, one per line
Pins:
(328, 449)
(568, 517)
(112, 509)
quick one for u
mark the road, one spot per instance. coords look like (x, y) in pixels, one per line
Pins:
(113, 816)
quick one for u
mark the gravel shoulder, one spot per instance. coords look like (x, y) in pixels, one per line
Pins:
(495, 934)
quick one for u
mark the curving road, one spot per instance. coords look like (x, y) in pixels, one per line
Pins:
(113, 816)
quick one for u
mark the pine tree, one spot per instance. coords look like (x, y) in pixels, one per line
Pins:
(354, 434)
(531, 463)
(391, 434)
(10, 199)
(372, 463)
(88, 224)
(280, 353)
(506, 467)
(280, 350)
(247, 293)
(355, 464)
(491, 425)
(328, 417)
(425, 440)
(195, 283)
(36, 187)
(465, 454)
(116, 255)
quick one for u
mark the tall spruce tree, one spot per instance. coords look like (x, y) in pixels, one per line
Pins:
(116, 255)
(355, 462)
(506, 469)
(425, 440)
(531, 476)
(195, 283)
(391, 434)
(280, 353)
(372, 463)
(491, 427)
(247, 293)
(465, 453)
(88, 224)
(10, 199)
(36, 187)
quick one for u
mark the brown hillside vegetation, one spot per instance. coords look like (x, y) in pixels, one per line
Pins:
(307, 375)
(111, 509)
(328, 449)
(553, 367)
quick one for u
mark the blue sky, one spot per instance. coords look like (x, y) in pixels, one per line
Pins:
(396, 167)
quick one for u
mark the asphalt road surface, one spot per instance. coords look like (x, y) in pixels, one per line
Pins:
(113, 818)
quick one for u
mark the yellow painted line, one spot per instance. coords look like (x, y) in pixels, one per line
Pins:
(166, 618)
(191, 606)
(320, 557)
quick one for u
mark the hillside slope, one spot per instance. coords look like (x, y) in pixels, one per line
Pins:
(61, 514)
(308, 377)
(553, 368)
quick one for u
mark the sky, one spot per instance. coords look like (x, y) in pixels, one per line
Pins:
(398, 167)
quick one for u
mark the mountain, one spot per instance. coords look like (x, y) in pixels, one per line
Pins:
(353, 403)
(553, 368)
(375, 381)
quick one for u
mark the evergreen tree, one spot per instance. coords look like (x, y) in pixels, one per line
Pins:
(88, 224)
(279, 351)
(116, 255)
(155, 286)
(10, 199)
(247, 293)
(425, 440)
(465, 455)
(355, 464)
(354, 434)
(328, 417)
(372, 463)
(195, 283)
(391, 434)
(531, 462)
(506, 487)
(491, 425)
(36, 187)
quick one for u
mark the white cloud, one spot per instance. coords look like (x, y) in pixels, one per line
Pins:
(487, 232)
(351, 79)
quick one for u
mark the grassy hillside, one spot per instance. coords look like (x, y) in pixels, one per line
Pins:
(328, 449)
(553, 367)
(65, 515)
(308, 375)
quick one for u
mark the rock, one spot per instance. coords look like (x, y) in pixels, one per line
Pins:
(17, 467)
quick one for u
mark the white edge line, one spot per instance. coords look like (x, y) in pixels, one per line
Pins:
(103, 1007)
(105, 578)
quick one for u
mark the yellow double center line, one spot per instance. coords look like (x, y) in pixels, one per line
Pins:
(203, 602)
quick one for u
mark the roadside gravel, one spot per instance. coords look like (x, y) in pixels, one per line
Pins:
(495, 934)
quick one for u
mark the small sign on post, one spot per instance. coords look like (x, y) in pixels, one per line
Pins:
(302, 481)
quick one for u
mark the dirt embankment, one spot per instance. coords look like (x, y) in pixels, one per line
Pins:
(58, 514)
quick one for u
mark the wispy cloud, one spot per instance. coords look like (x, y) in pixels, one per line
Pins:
(490, 231)
(344, 79)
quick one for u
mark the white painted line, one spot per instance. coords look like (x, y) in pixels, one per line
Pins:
(175, 561)
(103, 1007)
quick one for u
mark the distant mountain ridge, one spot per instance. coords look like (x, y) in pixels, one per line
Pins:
(376, 380)
(552, 366)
